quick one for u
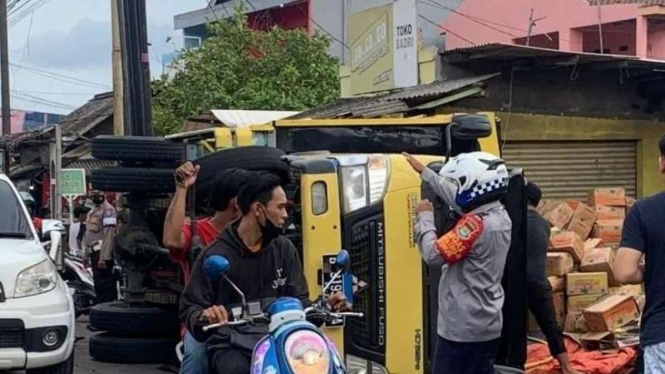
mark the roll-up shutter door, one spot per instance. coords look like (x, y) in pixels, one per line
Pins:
(568, 170)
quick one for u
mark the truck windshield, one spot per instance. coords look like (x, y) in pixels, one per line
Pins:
(428, 140)
(13, 222)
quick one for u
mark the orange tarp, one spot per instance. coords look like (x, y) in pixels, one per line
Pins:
(539, 360)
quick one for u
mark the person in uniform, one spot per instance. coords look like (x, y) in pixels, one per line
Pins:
(98, 243)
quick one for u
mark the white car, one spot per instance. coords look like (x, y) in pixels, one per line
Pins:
(36, 307)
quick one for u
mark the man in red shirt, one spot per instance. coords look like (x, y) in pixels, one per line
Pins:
(178, 230)
(178, 235)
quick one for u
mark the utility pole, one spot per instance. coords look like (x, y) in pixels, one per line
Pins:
(600, 27)
(136, 68)
(118, 116)
(4, 78)
(55, 150)
(528, 35)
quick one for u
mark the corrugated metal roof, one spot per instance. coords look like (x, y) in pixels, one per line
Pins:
(541, 56)
(401, 101)
(616, 2)
(89, 164)
(439, 87)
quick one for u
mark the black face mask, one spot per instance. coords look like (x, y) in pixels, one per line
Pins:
(98, 199)
(268, 230)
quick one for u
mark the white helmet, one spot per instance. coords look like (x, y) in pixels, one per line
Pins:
(474, 179)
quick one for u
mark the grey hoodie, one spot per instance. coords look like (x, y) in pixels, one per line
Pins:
(470, 292)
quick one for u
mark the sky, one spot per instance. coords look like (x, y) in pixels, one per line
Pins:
(60, 53)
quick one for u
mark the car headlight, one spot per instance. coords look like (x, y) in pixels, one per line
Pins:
(307, 353)
(365, 184)
(357, 365)
(36, 279)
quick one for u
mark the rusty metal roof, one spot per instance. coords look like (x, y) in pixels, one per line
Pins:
(400, 101)
(439, 87)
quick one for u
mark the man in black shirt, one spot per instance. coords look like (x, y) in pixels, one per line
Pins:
(539, 290)
(644, 237)
(264, 265)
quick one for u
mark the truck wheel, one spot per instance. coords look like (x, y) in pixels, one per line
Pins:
(65, 367)
(108, 348)
(117, 179)
(254, 158)
(135, 148)
(122, 319)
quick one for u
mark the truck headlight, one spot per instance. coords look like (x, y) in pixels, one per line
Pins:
(364, 184)
(36, 279)
(357, 365)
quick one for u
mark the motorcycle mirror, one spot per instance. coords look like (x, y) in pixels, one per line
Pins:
(342, 261)
(216, 266)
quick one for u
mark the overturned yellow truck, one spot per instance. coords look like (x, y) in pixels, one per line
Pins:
(352, 189)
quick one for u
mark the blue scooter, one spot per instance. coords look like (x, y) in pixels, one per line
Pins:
(293, 344)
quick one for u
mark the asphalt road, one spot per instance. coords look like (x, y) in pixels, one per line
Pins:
(86, 365)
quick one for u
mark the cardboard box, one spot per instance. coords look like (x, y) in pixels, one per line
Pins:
(641, 300)
(608, 196)
(569, 242)
(558, 214)
(610, 213)
(593, 243)
(598, 341)
(577, 303)
(558, 264)
(634, 290)
(558, 283)
(610, 313)
(599, 260)
(608, 231)
(583, 219)
(575, 323)
(586, 284)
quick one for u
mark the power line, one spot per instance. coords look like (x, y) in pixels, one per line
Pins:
(58, 93)
(433, 3)
(321, 27)
(39, 100)
(57, 76)
(446, 30)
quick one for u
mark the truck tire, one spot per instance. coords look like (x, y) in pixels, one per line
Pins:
(65, 367)
(144, 180)
(105, 347)
(122, 319)
(135, 148)
(254, 158)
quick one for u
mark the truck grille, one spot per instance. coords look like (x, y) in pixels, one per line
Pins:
(11, 333)
(364, 240)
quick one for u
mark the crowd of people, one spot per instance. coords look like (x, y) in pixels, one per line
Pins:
(250, 209)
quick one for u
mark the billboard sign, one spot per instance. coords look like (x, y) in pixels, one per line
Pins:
(384, 47)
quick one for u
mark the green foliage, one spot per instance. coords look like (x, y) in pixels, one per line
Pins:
(239, 68)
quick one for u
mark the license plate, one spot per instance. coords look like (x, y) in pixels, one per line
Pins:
(336, 286)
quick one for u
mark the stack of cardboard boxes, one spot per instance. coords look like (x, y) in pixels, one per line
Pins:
(587, 300)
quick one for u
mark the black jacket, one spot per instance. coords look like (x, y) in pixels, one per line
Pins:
(273, 272)
(539, 291)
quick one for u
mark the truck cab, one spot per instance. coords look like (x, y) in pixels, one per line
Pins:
(365, 203)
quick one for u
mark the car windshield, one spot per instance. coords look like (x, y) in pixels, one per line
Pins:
(13, 222)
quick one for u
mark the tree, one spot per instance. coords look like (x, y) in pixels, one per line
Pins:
(240, 68)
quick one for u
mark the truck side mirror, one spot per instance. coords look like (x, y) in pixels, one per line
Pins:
(342, 262)
(216, 266)
(466, 127)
